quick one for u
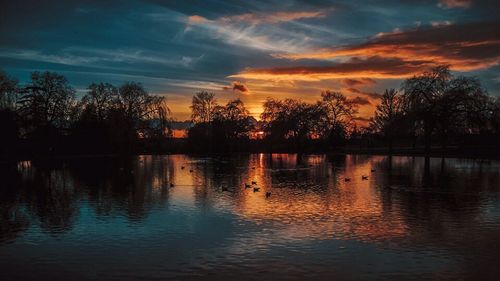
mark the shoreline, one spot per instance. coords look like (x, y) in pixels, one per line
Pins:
(485, 154)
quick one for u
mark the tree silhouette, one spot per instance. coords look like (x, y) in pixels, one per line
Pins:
(494, 120)
(8, 91)
(46, 103)
(218, 127)
(232, 120)
(99, 99)
(441, 103)
(116, 117)
(292, 120)
(389, 115)
(203, 107)
(44, 116)
(45, 108)
(339, 114)
(8, 118)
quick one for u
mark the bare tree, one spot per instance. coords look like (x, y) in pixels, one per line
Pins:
(388, 115)
(291, 119)
(46, 102)
(441, 103)
(203, 106)
(8, 119)
(133, 99)
(232, 120)
(495, 115)
(8, 91)
(99, 99)
(339, 112)
(157, 116)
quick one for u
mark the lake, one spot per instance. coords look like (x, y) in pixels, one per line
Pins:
(181, 217)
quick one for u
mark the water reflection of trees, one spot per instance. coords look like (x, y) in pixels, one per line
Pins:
(440, 204)
(12, 220)
(116, 185)
(52, 192)
(45, 194)
(444, 203)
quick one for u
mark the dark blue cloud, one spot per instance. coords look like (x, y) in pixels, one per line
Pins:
(157, 43)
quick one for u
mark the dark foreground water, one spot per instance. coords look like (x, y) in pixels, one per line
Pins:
(111, 219)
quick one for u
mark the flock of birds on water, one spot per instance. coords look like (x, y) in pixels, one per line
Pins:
(268, 193)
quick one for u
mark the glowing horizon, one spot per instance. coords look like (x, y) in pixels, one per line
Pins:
(284, 49)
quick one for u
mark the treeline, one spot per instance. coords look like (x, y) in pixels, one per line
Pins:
(285, 125)
(437, 108)
(44, 117)
(433, 108)
(219, 127)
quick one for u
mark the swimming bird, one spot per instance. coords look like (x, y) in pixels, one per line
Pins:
(268, 194)
(224, 188)
(190, 171)
(254, 182)
(171, 185)
(247, 185)
(347, 179)
(253, 168)
(373, 170)
(364, 177)
(182, 167)
(255, 189)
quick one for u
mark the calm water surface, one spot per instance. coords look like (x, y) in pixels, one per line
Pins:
(182, 217)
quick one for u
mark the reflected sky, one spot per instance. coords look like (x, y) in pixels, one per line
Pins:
(187, 217)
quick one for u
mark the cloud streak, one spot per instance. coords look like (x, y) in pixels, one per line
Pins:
(449, 4)
(465, 47)
(358, 82)
(372, 68)
(372, 95)
(396, 55)
(96, 57)
(273, 18)
(256, 30)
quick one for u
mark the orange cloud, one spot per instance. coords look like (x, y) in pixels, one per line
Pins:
(195, 19)
(455, 3)
(273, 18)
(357, 91)
(464, 47)
(372, 68)
(395, 55)
(357, 82)
(238, 86)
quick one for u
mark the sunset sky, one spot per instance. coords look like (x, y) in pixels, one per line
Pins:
(251, 49)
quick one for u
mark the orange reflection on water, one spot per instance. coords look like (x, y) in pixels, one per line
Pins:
(310, 198)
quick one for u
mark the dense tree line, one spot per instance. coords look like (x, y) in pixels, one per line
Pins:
(219, 127)
(46, 116)
(438, 107)
(286, 124)
(295, 123)
(433, 108)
